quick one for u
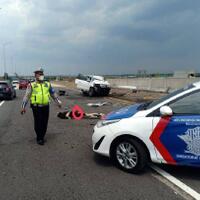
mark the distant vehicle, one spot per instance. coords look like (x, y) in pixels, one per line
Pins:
(163, 131)
(15, 84)
(7, 91)
(23, 84)
(92, 85)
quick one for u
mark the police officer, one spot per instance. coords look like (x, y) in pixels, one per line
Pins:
(39, 92)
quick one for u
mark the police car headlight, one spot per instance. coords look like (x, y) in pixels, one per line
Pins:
(106, 122)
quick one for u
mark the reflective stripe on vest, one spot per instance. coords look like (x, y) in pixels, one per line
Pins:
(40, 93)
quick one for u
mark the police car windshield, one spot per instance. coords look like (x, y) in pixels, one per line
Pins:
(176, 92)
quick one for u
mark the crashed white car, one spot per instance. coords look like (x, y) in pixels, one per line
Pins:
(92, 85)
(163, 131)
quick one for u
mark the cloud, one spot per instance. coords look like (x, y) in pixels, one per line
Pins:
(115, 36)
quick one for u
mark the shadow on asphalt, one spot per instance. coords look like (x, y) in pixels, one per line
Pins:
(102, 161)
(106, 162)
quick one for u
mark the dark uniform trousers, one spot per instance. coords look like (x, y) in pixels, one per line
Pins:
(41, 117)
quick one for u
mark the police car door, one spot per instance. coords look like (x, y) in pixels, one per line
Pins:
(179, 137)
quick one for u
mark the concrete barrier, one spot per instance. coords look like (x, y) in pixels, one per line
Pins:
(153, 84)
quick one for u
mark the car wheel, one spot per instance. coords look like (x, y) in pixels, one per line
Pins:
(129, 155)
(91, 92)
(84, 93)
(106, 93)
(11, 97)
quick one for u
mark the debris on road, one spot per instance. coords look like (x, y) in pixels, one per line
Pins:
(93, 115)
(99, 104)
(62, 93)
(130, 87)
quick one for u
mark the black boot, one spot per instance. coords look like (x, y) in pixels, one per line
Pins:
(40, 142)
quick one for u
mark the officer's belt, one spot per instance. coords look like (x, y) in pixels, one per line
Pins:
(39, 105)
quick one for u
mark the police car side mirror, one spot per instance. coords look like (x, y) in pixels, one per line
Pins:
(166, 111)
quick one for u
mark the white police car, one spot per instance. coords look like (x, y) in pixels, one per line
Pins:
(163, 131)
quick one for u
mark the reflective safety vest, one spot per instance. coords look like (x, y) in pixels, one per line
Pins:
(40, 93)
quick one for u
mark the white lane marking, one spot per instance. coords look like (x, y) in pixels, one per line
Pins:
(177, 182)
(2, 103)
(176, 190)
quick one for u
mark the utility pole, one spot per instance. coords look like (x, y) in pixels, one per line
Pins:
(4, 55)
(12, 64)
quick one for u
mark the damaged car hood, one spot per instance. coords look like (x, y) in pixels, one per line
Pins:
(100, 82)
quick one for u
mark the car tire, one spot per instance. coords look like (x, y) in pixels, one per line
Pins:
(91, 92)
(11, 97)
(106, 93)
(84, 93)
(133, 161)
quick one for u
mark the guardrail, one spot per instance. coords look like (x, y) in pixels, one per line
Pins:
(153, 84)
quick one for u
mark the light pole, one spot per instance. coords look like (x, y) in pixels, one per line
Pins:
(4, 55)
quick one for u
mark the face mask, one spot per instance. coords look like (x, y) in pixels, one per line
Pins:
(41, 78)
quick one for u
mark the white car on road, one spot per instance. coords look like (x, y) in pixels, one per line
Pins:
(163, 131)
(92, 85)
(15, 84)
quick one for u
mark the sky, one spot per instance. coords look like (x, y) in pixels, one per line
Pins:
(67, 37)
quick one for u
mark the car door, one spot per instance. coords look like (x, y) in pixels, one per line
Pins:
(87, 83)
(80, 82)
(178, 136)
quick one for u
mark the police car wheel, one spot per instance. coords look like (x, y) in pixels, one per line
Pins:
(129, 155)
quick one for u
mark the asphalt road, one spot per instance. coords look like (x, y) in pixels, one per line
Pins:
(65, 167)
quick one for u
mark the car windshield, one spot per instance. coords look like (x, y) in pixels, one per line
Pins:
(176, 92)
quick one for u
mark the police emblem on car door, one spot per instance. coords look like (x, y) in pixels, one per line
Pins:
(179, 137)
